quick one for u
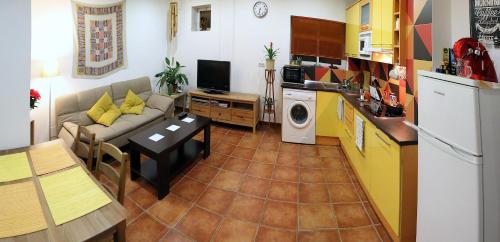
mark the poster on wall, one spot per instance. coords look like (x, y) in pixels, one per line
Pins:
(485, 21)
(99, 39)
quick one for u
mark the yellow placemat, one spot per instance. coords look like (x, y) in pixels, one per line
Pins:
(50, 158)
(14, 167)
(71, 194)
(20, 210)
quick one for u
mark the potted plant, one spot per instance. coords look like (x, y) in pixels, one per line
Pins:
(171, 76)
(34, 98)
(270, 56)
(268, 103)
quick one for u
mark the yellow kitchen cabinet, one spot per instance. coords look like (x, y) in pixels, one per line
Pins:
(327, 122)
(387, 24)
(376, 24)
(384, 165)
(382, 24)
(388, 174)
(352, 30)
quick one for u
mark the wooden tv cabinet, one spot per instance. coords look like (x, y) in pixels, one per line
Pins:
(232, 108)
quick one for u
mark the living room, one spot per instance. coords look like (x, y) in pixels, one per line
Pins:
(239, 120)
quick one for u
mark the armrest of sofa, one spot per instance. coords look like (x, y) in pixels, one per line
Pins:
(163, 103)
(68, 133)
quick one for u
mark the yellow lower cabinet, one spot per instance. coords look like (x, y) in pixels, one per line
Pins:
(327, 122)
(385, 178)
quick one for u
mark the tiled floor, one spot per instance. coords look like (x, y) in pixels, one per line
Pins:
(253, 187)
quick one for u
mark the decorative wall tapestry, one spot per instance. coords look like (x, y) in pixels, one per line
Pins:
(99, 39)
(485, 21)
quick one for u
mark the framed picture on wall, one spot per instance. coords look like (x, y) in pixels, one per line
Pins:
(485, 21)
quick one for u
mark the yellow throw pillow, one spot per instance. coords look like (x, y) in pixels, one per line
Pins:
(133, 104)
(110, 116)
(104, 111)
(100, 107)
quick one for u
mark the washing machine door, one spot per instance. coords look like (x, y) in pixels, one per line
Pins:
(299, 114)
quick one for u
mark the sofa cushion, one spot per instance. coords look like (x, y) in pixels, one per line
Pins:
(133, 104)
(119, 127)
(147, 116)
(140, 86)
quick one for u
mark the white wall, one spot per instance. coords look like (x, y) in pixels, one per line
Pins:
(238, 36)
(456, 27)
(15, 65)
(52, 38)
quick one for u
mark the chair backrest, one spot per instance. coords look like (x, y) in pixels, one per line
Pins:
(108, 170)
(82, 150)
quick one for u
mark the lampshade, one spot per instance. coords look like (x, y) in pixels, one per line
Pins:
(50, 68)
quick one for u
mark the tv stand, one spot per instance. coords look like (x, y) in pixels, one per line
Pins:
(213, 92)
(231, 108)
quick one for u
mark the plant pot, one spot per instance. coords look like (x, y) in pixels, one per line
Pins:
(269, 64)
(171, 89)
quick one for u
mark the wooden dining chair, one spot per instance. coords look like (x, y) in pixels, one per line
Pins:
(83, 150)
(108, 171)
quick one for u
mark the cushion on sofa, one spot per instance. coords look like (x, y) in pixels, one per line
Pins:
(119, 127)
(123, 124)
(140, 86)
(133, 104)
(104, 111)
(147, 116)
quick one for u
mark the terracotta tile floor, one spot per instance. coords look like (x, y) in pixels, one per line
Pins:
(253, 187)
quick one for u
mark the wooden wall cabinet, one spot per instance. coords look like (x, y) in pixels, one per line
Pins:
(317, 37)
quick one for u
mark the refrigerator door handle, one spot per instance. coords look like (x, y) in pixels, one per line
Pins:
(462, 155)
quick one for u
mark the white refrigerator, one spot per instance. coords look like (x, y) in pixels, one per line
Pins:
(459, 159)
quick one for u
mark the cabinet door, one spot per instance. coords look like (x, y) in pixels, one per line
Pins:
(385, 174)
(352, 31)
(359, 157)
(331, 39)
(387, 26)
(327, 122)
(304, 36)
(376, 13)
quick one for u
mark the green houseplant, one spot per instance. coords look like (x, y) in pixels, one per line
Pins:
(271, 54)
(171, 76)
(268, 102)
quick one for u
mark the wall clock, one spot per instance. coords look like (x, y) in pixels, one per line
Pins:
(260, 9)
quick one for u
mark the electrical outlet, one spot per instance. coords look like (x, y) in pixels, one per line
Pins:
(260, 64)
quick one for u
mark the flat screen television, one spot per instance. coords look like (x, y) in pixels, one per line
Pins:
(214, 76)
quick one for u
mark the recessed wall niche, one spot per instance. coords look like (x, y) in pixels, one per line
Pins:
(201, 18)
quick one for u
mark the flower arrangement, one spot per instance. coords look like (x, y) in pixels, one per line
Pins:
(34, 98)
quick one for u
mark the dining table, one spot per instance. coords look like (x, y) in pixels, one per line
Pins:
(99, 224)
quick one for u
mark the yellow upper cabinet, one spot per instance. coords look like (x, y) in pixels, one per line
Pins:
(370, 15)
(387, 23)
(352, 30)
(382, 24)
(327, 122)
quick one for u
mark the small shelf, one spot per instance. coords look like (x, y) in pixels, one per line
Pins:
(396, 46)
(396, 13)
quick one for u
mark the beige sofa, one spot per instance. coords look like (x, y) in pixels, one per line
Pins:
(70, 111)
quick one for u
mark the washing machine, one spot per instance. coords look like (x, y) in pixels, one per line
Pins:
(299, 116)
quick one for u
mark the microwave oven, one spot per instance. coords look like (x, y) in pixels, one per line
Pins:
(293, 74)
(365, 45)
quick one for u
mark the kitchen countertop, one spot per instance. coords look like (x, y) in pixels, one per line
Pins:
(394, 128)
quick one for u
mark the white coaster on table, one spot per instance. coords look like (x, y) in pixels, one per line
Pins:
(173, 127)
(156, 137)
(188, 120)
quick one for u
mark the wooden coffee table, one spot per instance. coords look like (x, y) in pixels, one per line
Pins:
(170, 155)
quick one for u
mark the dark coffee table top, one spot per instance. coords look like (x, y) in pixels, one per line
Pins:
(172, 139)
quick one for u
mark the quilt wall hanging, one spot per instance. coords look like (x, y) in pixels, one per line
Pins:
(99, 39)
